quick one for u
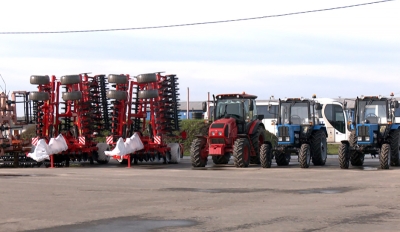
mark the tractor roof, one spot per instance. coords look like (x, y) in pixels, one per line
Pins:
(296, 100)
(236, 95)
(366, 98)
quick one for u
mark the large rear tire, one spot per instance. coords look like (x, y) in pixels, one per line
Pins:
(196, 148)
(39, 80)
(318, 148)
(357, 159)
(241, 153)
(304, 156)
(221, 159)
(384, 156)
(265, 156)
(257, 139)
(344, 156)
(282, 158)
(394, 141)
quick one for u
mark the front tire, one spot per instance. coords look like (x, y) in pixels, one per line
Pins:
(241, 153)
(196, 153)
(344, 156)
(384, 156)
(304, 156)
(265, 156)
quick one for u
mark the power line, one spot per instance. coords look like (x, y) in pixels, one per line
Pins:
(195, 24)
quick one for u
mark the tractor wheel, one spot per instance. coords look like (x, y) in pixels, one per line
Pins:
(102, 158)
(318, 148)
(282, 158)
(257, 139)
(70, 79)
(146, 94)
(146, 78)
(197, 146)
(394, 141)
(241, 153)
(353, 139)
(344, 156)
(39, 96)
(72, 96)
(357, 158)
(221, 159)
(304, 156)
(384, 156)
(117, 94)
(117, 79)
(40, 80)
(175, 154)
(265, 156)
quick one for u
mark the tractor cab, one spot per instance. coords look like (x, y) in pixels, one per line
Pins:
(296, 119)
(373, 118)
(237, 107)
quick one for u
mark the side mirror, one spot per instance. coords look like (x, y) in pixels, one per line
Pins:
(345, 105)
(251, 107)
(260, 117)
(318, 106)
(204, 106)
(396, 104)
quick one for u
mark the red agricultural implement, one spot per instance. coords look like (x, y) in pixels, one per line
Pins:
(12, 146)
(75, 106)
(144, 108)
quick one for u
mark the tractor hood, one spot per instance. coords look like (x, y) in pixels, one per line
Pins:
(223, 128)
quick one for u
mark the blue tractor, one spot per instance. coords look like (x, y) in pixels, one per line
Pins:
(373, 131)
(299, 132)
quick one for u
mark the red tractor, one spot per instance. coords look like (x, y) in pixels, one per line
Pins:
(12, 146)
(78, 114)
(237, 131)
(145, 106)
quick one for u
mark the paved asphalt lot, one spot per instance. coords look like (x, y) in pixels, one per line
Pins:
(157, 197)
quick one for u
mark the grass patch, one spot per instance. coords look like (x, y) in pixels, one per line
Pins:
(333, 149)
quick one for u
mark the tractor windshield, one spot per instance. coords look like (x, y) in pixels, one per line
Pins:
(231, 107)
(294, 113)
(372, 111)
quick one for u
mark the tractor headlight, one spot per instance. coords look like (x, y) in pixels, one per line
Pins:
(287, 139)
(212, 133)
(359, 139)
(280, 139)
(304, 129)
(219, 133)
(367, 139)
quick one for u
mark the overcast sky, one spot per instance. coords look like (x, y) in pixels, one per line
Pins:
(346, 52)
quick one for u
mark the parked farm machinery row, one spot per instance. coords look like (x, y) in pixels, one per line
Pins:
(71, 112)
